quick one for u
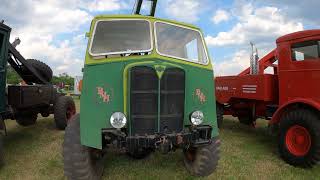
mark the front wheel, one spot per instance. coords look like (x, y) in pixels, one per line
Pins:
(299, 141)
(64, 109)
(202, 161)
(80, 162)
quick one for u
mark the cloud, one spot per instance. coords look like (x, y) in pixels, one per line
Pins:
(220, 16)
(238, 62)
(183, 10)
(106, 5)
(41, 31)
(42, 26)
(262, 24)
(305, 11)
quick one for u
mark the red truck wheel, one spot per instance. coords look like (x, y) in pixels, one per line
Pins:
(299, 142)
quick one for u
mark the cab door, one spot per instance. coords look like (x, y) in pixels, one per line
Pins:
(3, 62)
(300, 74)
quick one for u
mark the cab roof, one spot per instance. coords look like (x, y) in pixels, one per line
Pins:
(299, 35)
(4, 27)
(98, 17)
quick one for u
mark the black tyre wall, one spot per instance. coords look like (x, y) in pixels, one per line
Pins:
(220, 112)
(44, 70)
(61, 108)
(78, 160)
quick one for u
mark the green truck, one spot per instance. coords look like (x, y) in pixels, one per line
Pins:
(147, 85)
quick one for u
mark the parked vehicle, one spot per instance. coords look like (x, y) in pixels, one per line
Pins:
(37, 95)
(146, 86)
(289, 97)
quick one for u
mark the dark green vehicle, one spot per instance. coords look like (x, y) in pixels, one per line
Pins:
(24, 102)
(147, 86)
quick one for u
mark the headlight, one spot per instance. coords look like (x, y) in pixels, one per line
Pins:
(196, 118)
(118, 120)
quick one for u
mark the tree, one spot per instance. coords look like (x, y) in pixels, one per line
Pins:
(64, 79)
(12, 76)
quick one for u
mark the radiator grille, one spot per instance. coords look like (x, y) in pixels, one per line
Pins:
(144, 96)
(144, 100)
(172, 100)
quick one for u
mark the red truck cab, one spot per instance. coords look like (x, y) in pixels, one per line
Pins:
(289, 97)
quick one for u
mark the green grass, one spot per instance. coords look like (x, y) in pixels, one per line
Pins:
(246, 153)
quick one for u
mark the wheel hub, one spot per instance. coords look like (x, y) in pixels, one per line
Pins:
(298, 140)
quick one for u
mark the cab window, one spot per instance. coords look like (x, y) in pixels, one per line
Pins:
(308, 50)
(112, 37)
(180, 42)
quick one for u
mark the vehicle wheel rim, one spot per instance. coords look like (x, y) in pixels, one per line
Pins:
(71, 111)
(298, 140)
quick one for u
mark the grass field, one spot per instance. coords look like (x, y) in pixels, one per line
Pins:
(246, 153)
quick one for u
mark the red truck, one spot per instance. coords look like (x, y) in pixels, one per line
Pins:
(289, 97)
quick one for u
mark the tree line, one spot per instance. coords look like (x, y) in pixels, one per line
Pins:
(61, 80)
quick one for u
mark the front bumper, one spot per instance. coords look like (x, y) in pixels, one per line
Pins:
(165, 142)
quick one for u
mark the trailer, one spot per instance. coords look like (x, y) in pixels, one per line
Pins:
(289, 97)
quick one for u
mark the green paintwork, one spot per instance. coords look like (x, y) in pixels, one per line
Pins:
(5, 33)
(112, 76)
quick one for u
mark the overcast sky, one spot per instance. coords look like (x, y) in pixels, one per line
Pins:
(54, 30)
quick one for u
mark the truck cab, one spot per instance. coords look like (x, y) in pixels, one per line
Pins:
(146, 87)
(299, 68)
(4, 39)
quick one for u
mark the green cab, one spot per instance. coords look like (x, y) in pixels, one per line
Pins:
(147, 85)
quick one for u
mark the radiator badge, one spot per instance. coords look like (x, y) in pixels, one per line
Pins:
(160, 69)
(201, 97)
(104, 94)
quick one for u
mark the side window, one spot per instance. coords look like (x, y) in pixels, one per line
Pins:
(308, 50)
(192, 50)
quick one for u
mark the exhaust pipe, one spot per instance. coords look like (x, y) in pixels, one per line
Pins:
(254, 60)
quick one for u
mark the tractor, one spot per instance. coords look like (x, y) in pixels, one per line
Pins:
(282, 87)
(36, 95)
(147, 86)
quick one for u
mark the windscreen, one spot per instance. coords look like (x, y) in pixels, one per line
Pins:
(121, 37)
(179, 42)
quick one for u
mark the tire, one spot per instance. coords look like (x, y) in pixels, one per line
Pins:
(44, 70)
(300, 125)
(220, 112)
(202, 161)
(64, 109)
(79, 161)
(139, 154)
(26, 119)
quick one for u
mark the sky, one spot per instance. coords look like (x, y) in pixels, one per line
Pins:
(53, 31)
